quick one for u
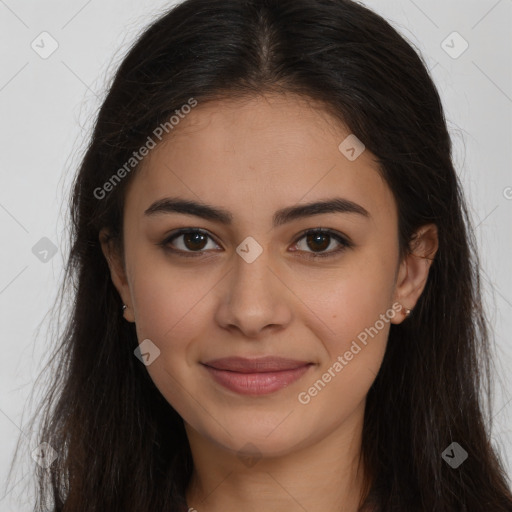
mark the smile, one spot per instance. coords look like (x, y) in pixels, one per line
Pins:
(256, 376)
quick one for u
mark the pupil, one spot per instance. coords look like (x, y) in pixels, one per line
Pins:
(316, 238)
(194, 238)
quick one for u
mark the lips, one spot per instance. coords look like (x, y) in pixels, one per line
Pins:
(256, 376)
(258, 365)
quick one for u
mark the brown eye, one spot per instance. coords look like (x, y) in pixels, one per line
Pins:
(194, 241)
(316, 242)
(188, 242)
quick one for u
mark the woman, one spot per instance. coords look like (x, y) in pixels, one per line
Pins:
(277, 295)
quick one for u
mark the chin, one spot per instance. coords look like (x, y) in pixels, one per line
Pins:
(268, 437)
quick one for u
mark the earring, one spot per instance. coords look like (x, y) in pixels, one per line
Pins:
(408, 313)
(124, 307)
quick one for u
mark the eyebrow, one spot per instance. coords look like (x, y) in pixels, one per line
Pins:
(283, 216)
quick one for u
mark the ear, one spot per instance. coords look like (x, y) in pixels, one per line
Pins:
(117, 271)
(413, 271)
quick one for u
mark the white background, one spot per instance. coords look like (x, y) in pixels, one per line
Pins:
(47, 108)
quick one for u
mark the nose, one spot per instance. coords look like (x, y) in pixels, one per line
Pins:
(254, 299)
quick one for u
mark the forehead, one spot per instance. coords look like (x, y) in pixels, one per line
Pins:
(260, 154)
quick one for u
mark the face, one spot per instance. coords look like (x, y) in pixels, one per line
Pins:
(271, 318)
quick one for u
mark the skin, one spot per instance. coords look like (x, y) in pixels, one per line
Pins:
(253, 157)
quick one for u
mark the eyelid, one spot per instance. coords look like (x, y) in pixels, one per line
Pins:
(182, 231)
(342, 239)
(326, 231)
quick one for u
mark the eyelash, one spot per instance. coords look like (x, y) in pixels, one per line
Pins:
(345, 244)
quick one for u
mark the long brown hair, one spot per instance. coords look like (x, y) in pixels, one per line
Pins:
(120, 445)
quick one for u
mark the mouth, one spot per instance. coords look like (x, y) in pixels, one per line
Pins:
(257, 376)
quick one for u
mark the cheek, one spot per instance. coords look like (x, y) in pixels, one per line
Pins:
(170, 304)
(350, 313)
(348, 302)
(354, 336)
(169, 308)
